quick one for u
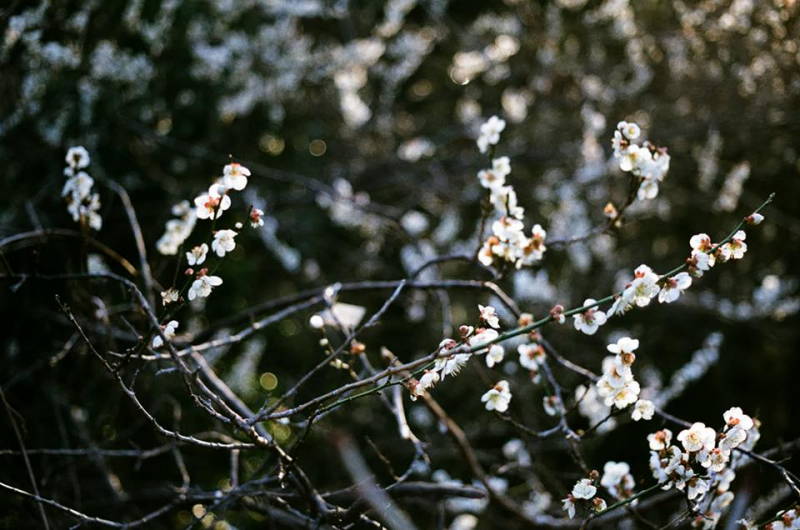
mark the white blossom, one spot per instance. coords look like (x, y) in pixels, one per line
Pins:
(736, 247)
(715, 459)
(697, 437)
(590, 320)
(212, 204)
(501, 166)
(624, 345)
(674, 287)
(735, 417)
(643, 410)
(617, 478)
(197, 255)
(584, 489)
(494, 355)
(177, 230)
(568, 505)
(169, 296)
(498, 397)
(482, 337)
(235, 176)
(732, 438)
(256, 217)
(168, 330)
(659, 440)
(489, 315)
(697, 488)
(531, 356)
(77, 157)
(490, 133)
(629, 129)
(203, 285)
(223, 242)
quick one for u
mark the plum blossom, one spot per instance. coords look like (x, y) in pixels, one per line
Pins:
(168, 330)
(77, 157)
(674, 287)
(630, 130)
(235, 176)
(697, 488)
(645, 285)
(223, 242)
(489, 179)
(659, 440)
(256, 217)
(203, 285)
(568, 505)
(531, 356)
(646, 161)
(169, 296)
(428, 379)
(496, 176)
(697, 437)
(735, 417)
(82, 205)
(715, 459)
(754, 218)
(482, 337)
(643, 410)
(504, 200)
(490, 133)
(501, 166)
(617, 385)
(489, 315)
(624, 345)
(732, 438)
(590, 320)
(494, 355)
(197, 255)
(735, 248)
(584, 489)
(639, 292)
(212, 204)
(617, 479)
(498, 397)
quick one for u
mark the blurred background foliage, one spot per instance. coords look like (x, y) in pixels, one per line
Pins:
(358, 120)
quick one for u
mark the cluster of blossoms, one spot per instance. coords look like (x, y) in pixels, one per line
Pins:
(177, 230)
(209, 205)
(706, 254)
(646, 161)
(82, 204)
(616, 479)
(617, 386)
(646, 284)
(703, 466)
(454, 355)
(508, 241)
